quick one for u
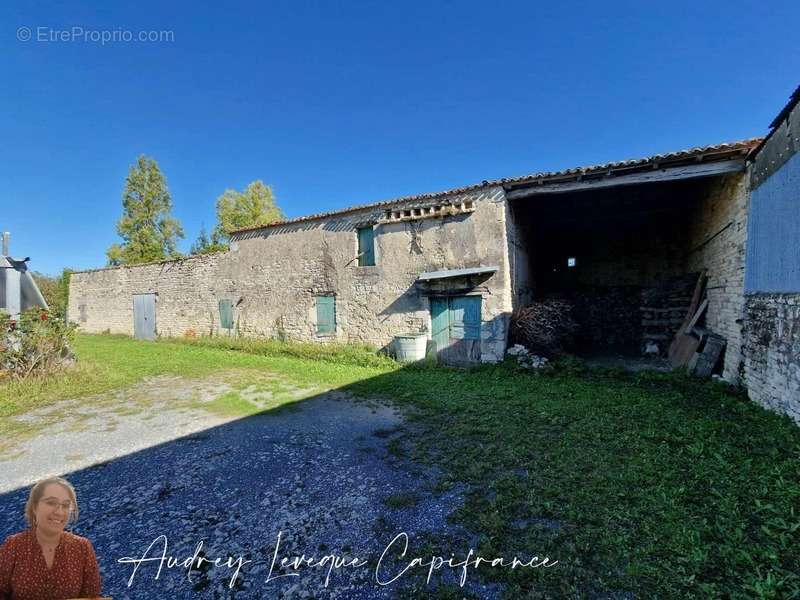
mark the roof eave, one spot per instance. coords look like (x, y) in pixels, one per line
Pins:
(613, 171)
(717, 152)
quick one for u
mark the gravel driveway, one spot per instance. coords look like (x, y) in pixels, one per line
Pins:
(320, 477)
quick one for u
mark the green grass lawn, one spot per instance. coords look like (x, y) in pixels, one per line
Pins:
(108, 362)
(651, 484)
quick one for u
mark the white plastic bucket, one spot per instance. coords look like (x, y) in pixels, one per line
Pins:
(410, 347)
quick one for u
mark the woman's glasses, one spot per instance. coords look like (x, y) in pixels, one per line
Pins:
(54, 504)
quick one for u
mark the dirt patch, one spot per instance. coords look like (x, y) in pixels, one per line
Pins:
(153, 411)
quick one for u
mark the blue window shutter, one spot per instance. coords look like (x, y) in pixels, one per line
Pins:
(366, 247)
(226, 314)
(326, 314)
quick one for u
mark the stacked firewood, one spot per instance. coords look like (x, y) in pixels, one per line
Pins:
(546, 328)
(608, 316)
(663, 309)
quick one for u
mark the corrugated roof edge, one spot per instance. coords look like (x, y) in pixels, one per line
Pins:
(784, 112)
(706, 153)
(793, 100)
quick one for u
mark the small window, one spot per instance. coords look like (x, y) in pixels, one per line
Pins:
(572, 261)
(366, 247)
(326, 314)
(226, 314)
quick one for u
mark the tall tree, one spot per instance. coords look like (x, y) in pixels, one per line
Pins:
(205, 244)
(147, 227)
(237, 210)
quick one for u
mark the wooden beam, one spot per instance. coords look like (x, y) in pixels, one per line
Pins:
(696, 317)
(606, 181)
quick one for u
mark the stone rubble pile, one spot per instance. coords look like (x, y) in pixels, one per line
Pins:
(526, 359)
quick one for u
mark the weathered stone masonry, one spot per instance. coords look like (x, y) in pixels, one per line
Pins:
(272, 275)
(772, 352)
(717, 239)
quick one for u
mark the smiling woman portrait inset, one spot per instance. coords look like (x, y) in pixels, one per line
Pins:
(46, 562)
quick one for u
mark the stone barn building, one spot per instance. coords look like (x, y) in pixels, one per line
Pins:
(626, 243)
(464, 258)
(364, 274)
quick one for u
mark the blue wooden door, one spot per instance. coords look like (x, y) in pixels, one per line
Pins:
(144, 316)
(440, 323)
(456, 328)
(465, 318)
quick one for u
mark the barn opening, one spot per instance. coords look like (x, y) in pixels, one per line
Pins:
(624, 247)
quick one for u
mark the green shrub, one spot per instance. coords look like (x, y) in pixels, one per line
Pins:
(360, 355)
(569, 366)
(36, 343)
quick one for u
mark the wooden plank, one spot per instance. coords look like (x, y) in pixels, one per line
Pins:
(703, 363)
(688, 329)
(683, 346)
(591, 181)
(440, 323)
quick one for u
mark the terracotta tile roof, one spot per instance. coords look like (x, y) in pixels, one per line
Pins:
(716, 152)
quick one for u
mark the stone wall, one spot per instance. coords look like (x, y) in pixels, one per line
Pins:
(772, 351)
(717, 243)
(772, 316)
(520, 260)
(187, 294)
(272, 276)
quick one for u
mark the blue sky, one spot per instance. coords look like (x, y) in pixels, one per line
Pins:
(335, 103)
